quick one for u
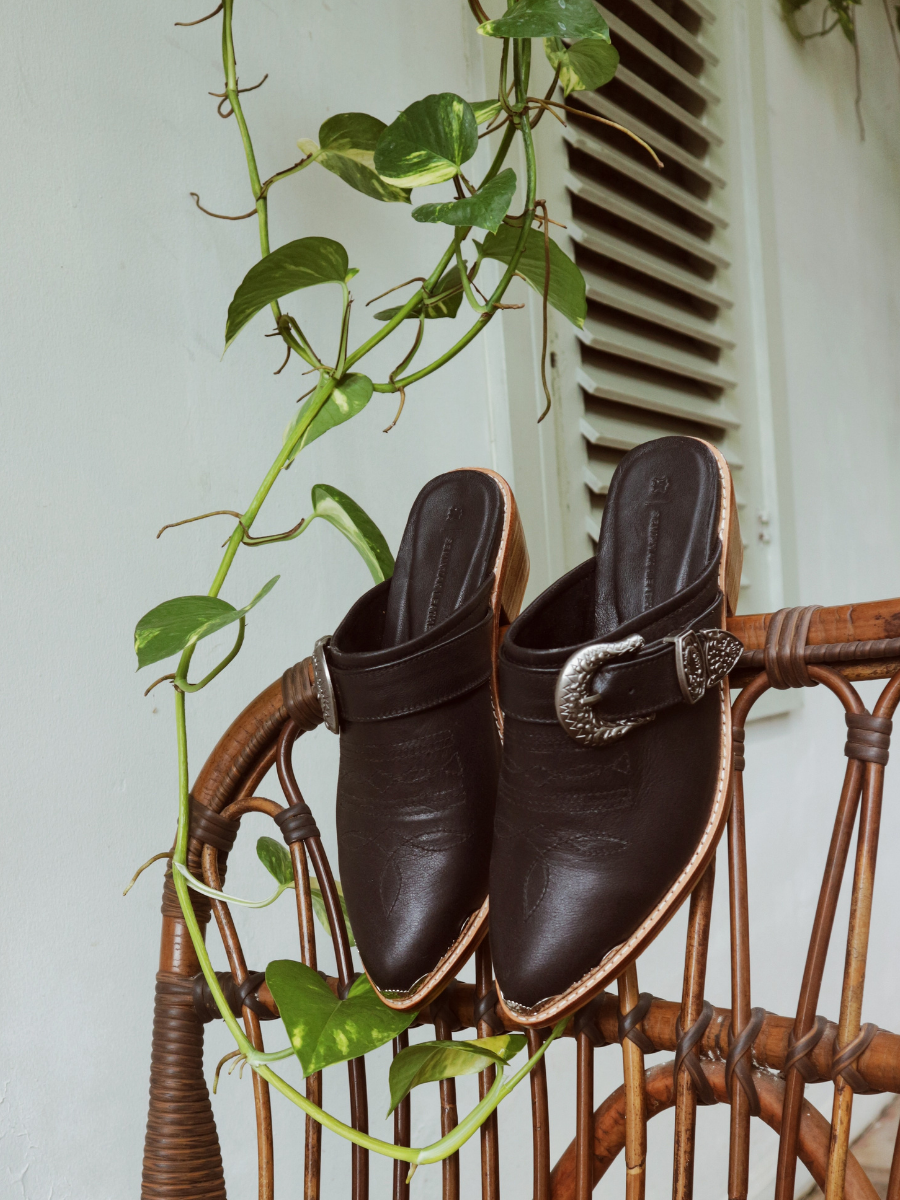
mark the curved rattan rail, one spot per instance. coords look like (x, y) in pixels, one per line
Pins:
(721, 1055)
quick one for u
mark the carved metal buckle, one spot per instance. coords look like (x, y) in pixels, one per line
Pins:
(703, 658)
(324, 686)
(574, 699)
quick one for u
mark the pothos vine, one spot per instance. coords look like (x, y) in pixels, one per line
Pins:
(841, 14)
(429, 144)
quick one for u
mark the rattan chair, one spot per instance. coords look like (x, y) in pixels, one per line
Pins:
(754, 1061)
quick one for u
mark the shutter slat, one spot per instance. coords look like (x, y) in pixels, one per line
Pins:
(630, 256)
(647, 308)
(650, 246)
(654, 398)
(650, 178)
(621, 434)
(685, 78)
(612, 202)
(655, 13)
(661, 100)
(605, 108)
(698, 7)
(650, 353)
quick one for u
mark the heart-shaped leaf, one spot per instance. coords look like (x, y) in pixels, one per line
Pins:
(347, 148)
(584, 65)
(324, 1030)
(549, 18)
(357, 526)
(486, 208)
(428, 142)
(300, 264)
(485, 110)
(277, 860)
(349, 397)
(429, 1062)
(176, 624)
(447, 297)
(567, 287)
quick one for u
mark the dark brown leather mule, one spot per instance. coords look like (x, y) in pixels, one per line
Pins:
(409, 678)
(617, 755)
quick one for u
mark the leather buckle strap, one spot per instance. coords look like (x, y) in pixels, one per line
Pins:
(598, 699)
(418, 682)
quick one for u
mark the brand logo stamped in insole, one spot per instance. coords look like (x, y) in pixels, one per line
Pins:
(438, 589)
(650, 560)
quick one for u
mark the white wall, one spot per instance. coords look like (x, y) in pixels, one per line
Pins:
(119, 416)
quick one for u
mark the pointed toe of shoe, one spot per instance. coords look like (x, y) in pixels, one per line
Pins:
(589, 846)
(399, 956)
(544, 940)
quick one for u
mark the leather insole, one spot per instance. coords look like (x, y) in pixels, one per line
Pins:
(449, 549)
(660, 528)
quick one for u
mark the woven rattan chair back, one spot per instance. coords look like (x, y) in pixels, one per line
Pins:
(752, 1060)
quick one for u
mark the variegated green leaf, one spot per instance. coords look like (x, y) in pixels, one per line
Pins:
(324, 1030)
(176, 624)
(300, 264)
(428, 142)
(549, 18)
(485, 110)
(347, 148)
(485, 209)
(357, 526)
(349, 397)
(567, 287)
(584, 65)
(429, 1062)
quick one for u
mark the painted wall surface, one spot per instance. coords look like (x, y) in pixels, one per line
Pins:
(119, 416)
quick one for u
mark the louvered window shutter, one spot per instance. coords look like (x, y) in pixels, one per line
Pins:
(649, 243)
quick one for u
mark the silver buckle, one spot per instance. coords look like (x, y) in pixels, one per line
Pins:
(703, 658)
(324, 686)
(574, 700)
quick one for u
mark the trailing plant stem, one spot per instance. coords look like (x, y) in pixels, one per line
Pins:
(329, 377)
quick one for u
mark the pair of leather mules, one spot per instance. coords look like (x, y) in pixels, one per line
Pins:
(573, 780)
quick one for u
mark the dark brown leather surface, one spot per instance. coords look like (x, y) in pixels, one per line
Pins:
(588, 840)
(420, 748)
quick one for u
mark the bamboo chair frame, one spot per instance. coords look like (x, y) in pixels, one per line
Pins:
(721, 1055)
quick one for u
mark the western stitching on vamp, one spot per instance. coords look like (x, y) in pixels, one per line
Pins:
(615, 956)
